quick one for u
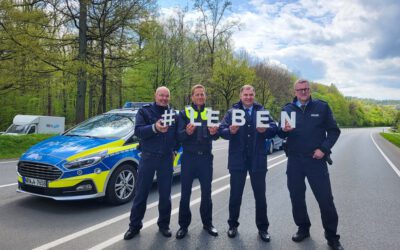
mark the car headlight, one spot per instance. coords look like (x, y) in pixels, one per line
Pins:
(86, 161)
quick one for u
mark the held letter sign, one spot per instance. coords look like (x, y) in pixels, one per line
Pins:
(290, 119)
(238, 117)
(263, 119)
(212, 118)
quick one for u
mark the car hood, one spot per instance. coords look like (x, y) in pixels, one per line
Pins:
(58, 148)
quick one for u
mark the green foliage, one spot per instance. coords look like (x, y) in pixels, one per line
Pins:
(353, 112)
(39, 66)
(392, 137)
(15, 146)
(229, 75)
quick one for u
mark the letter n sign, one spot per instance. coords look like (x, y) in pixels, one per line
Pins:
(290, 119)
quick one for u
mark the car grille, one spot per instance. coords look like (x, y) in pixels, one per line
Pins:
(38, 170)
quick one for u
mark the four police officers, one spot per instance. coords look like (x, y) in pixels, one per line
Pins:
(157, 143)
(196, 161)
(247, 154)
(308, 146)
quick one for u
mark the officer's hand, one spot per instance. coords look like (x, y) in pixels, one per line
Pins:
(318, 154)
(213, 130)
(161, 128)
(287, 127)
(233, 129)
(261, 130)
(190, 128)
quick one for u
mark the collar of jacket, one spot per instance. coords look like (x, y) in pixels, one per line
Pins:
(310, 101)
(239, 105)
(160, 108)
(195, 107)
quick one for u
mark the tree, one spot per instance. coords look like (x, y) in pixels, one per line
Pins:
(229, 75)
(107, 18)
(274, 86)
(211, 25)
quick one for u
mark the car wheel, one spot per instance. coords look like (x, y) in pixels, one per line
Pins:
(121, 186)
(271, 147)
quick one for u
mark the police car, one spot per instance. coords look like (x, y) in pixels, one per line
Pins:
(97, 158)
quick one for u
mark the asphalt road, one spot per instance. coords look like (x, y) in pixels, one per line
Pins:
(365, 187)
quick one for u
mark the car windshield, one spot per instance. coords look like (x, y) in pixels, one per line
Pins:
(17, 129)
(105, 126)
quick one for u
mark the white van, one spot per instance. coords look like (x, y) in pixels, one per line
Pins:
(36, 124)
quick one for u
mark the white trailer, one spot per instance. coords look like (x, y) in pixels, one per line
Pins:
(36, 124)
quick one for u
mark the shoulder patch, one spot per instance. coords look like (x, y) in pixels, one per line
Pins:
(146, 105)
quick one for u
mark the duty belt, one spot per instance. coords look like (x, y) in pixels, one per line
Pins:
(298, 154)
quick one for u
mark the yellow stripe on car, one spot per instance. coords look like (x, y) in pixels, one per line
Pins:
(177, 156)
(122, 148)
(91, 151)
(98, 179)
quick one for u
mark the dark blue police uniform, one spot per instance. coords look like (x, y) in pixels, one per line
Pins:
(197, 161)
(247, 153)
(316, 128)
(157, 157)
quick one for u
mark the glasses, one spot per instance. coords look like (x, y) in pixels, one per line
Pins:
(303, 90)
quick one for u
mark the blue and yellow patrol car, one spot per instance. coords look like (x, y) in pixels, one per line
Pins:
(97, 158)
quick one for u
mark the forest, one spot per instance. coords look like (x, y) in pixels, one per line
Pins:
(80, 58)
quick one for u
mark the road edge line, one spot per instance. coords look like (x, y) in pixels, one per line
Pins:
(395, 169)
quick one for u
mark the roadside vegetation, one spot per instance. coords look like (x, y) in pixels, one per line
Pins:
(392, 137)
(15, 146)
(49, 67)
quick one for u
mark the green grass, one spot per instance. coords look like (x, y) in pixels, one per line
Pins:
(14, 146)
(392, 137)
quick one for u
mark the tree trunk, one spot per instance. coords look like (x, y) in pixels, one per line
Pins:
(81, 85)
(103, 78)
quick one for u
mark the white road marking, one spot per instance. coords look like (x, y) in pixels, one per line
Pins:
(151, 222)
(396, 170)
(1, 162)
(7, 185)
(126, 215)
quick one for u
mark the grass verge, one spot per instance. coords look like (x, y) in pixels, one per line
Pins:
(392, 137)
(14, 146)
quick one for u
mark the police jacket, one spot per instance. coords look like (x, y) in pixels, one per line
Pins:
(201, 139)
(237, 142)
(316, 128)
(150, 139)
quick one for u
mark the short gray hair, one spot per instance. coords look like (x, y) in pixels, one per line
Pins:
(301, 81)
(246, 87)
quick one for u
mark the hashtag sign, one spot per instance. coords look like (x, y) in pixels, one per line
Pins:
(168, 117)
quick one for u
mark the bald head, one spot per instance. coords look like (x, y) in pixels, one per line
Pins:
(162, 96)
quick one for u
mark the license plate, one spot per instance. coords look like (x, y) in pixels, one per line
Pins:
(35, 182)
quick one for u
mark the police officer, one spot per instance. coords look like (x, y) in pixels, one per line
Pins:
(157, 142)
(308, 144)
(197, 161)
(247, 153)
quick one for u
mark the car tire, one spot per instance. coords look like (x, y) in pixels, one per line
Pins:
(121, 186)
(271, 147)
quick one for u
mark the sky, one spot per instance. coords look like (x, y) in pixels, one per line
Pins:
(354, 44)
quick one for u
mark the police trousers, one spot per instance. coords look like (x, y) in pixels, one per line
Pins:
(237, 182)
(196, 165)
(298, 168)
(150, 164)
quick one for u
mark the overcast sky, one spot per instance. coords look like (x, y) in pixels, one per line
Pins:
(354, 44)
